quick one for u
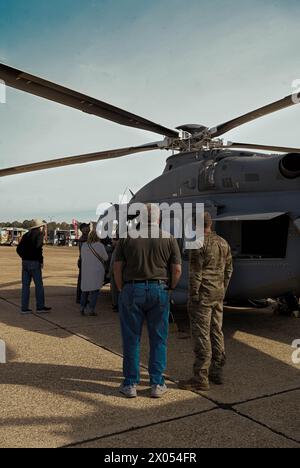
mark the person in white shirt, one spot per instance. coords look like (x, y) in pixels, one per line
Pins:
(93, 256)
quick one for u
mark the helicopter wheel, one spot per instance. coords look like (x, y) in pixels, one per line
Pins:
(288, 306)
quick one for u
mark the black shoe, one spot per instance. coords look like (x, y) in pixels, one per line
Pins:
(217, 377)
(26, 311)
(93, 314)
(44, 310)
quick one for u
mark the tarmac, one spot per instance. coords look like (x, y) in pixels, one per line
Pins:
(59, 387)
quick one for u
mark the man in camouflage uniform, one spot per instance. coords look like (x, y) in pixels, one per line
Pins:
(210, 272)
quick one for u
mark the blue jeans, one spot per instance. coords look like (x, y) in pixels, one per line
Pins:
(139, 302)
(89, 298)
(32, 271)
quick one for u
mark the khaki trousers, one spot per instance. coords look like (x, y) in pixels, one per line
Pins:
(206, 326)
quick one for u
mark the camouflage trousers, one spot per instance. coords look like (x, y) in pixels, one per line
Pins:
(206, 326)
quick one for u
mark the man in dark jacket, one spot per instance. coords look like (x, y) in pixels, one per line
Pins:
(30, 250)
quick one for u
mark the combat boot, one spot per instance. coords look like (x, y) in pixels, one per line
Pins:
(216, 375)
(196, 383)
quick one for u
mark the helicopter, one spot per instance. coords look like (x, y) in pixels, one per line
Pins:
(253, 196)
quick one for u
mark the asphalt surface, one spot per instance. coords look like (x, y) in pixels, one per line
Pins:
(59, 387)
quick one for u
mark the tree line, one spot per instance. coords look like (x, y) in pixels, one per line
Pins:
(27, 224)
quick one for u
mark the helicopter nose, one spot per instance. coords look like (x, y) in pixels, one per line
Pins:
(289, 165)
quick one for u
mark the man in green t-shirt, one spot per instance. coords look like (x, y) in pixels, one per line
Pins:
(145, 269)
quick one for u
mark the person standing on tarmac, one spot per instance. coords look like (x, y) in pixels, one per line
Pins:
(85, 230)
(210, 273)
(30, 250)
(94, 258)
(145, 269)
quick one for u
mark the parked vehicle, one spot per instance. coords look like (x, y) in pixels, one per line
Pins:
(11, 236)
(62, 238)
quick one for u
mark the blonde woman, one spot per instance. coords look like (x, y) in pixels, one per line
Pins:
(93, 256)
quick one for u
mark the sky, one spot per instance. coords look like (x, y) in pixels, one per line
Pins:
(170, 61)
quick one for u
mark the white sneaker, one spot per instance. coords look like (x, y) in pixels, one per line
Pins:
(128, 390)
(157, 391)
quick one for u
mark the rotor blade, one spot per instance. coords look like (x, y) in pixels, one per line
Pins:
(82, 159)
(288, 101)
(39, 87)
(277, 149)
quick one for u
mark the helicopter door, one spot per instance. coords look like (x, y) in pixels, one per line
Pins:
(255, 235)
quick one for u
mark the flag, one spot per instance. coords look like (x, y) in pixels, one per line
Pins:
(76, 228)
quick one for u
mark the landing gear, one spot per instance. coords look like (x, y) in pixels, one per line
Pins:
(288, 306)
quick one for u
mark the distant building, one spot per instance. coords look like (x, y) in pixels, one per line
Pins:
(11, 236)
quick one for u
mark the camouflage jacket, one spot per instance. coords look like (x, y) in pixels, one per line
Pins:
(210, 269)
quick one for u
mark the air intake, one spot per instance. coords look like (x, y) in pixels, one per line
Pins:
(289, 165)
